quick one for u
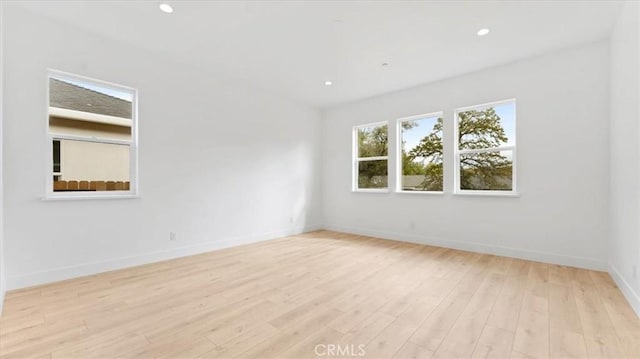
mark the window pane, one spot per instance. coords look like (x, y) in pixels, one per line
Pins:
(82, 108)
(56, 156)
(92, 166)
(372, 174)
(372, 141)
(422, 154)
(488, 127)
(488, 171)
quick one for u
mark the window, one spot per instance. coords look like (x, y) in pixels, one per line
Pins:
(92, 136)
(370, 165)
(485, 144)
(420, 154)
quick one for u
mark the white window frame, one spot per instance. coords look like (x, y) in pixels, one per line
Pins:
(458, 152)
(356, 159)
(399, 122)
(133, 191)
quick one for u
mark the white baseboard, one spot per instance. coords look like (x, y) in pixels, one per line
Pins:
(58, 274)
(580, 262)
(632, 297)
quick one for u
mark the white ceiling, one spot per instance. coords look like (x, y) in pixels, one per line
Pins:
(292, 47)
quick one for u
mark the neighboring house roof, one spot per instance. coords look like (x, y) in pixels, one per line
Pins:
(72, 97)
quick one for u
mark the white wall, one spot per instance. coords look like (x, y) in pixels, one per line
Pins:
(2, 271)
(625, 153)
(221, 163)
(562, 135)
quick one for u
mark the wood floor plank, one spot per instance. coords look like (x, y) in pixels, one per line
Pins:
(412, 351)
(177, 348)
(390, 340)
(42, 341)
(494, 342)
(630, 342)
(295, 333)
(563, 314)
(462, 338)
(366, 331)
(507, 308)
(532, 332)
(605, 346)
(321, 343)
(282, 298)
(437, 325)
(101, 345)
(465, 333)
(346, 322)
(243, 342)
(566, 344)
(560, 275)
(532, 335)
(594, 318)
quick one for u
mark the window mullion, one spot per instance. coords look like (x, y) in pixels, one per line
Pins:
(91, 139)
(377, 158)
(485, 150)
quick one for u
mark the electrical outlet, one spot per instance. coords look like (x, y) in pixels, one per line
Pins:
(172, 236)
(412, 225)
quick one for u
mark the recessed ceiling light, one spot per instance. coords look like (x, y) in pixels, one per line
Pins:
(328, 83)
(483, 32)
(166, 8)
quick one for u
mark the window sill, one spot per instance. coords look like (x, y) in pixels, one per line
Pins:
(487, 194)
(432, 193)
(82, 196)
(363, 190)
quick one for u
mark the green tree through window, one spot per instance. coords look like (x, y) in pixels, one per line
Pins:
(373, 149)
(484, 164)
(423, 158)
(485, 151)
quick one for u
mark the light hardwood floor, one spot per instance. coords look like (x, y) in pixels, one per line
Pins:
(281, 298)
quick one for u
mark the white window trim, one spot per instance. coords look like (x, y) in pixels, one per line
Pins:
(457, 152)
(356, 159)
(133, 191)
(399, 122)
